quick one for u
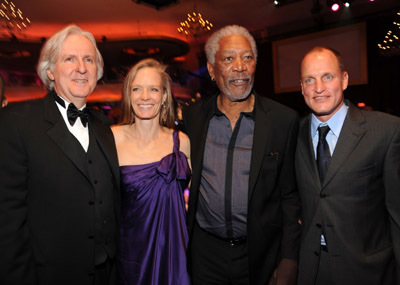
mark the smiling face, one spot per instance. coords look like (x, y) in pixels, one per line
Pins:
(234, 67)
(75, 70)
(147, 94)
(323, 83)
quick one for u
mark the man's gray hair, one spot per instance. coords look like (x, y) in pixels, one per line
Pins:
(51, 50)
(212, 45)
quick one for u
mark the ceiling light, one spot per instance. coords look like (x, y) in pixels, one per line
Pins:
(195, 25)
(334, 5)
(347, 3)
(279, 3)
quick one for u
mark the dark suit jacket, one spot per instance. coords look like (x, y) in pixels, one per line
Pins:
(359, 201)
(46, 216)
(272, 227)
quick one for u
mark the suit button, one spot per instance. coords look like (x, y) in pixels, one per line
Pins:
(90, 161)
(95, 182)
(105, 222)
(91, 203)
(323, 196)
(316, 253)
(101, 202)
(90, 237)
(318, 226)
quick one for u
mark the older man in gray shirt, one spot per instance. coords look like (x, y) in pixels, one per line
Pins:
(243, 206)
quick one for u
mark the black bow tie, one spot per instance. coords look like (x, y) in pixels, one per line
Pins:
(73, 113)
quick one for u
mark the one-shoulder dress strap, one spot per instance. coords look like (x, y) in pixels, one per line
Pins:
(175, 138)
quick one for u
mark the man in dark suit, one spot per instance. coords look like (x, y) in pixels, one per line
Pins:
(348, 173)
(243, 205)
(59, 176)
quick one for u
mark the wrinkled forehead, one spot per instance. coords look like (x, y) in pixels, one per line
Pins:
(235, 42)
(76, 44)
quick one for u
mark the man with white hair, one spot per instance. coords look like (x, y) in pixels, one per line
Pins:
(59, 175)
(243, 205)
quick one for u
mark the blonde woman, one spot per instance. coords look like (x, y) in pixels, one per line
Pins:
(155, 170)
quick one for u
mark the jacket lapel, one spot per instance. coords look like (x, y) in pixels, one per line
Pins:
(61, 136)
(198, 140)
(306, 150)
(263, 125)
(350, 135)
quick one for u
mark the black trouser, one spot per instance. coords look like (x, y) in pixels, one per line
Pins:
(214, 261)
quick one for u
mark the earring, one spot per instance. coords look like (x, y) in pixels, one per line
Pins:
(164, 112)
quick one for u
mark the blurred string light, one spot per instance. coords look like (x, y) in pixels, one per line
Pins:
(11, 19)
(391, 43)
(195, 25)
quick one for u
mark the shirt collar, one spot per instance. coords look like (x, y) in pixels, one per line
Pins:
(217, 112)
(335, 123)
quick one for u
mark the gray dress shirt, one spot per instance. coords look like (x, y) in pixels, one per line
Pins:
(222, 207)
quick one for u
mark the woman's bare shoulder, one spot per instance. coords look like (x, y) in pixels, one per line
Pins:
(119, 131)
(184, 143)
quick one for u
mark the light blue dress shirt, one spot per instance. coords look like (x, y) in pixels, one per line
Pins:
(335, 124)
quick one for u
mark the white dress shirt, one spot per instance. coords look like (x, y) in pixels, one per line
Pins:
(80, 132)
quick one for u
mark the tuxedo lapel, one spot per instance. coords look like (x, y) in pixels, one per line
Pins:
(105, 139)
(62, 137)
(350, 135)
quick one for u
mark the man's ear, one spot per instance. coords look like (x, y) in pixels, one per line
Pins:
(211, 71)
(302, 87)
(50, 74)
(345, 80)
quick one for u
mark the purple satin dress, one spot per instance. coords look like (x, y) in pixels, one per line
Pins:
(154, 237)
